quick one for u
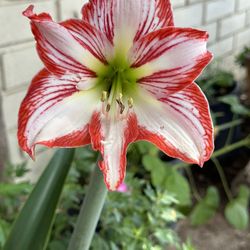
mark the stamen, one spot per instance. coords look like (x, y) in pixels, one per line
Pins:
(121, 106)
(108, 107)
(130, 102)
(104, 96)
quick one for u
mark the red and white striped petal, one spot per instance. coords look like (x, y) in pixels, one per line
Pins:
(170, 58)
(91, 38)
(125, 21)
(180, 125)
(111, 137)
(58, 49)
(54, 113)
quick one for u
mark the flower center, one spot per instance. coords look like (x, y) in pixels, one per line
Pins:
(118, 82)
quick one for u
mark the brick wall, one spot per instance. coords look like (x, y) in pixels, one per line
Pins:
(228, 22)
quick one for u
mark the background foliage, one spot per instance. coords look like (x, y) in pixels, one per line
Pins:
(160, 190)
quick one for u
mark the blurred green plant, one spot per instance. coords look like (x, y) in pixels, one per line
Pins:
(235, 105)
(206, 208)
(141, 218)
(216, 82)
(145, 216)
(236, 210)
(37, 215)
(12, 197)
(243, 56)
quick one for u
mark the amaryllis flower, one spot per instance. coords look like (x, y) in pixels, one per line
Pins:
(121, 74)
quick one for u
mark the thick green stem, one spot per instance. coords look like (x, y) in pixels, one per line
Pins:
(90, 213)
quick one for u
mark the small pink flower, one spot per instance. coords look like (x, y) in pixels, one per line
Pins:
(122, 188)
(121, 74)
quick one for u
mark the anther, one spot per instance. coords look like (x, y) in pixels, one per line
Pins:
(104, 96)
(121, 105)
(108, 107)
(130, 102)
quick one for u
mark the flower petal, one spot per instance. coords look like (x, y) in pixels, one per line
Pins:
(128, 20)
(90, 38)
(54, 113)
(170, 58)
(58, 49)
(180, 125)
(111, 137)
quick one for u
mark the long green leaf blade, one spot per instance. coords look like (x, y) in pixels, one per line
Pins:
(32, 227)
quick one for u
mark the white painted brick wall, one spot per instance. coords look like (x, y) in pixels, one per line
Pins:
(243, 38)
(248, 17)
(11, 103)
(219, 8)
(190, 16)
(227, 21)
(20, 65)
(15, 152)
(69, 10)
(178, 3)
(232, 24)
(14, 27)
(212, 30)
(195, 1)
(222, 47)
(243, 4)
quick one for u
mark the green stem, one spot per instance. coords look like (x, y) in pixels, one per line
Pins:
(193, 184)
(230, 134)
(89, 213)
(217, 153)
(223, 178)
(229, 124)
(229, 148)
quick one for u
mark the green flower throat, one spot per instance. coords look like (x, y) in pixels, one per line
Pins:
(119, 84)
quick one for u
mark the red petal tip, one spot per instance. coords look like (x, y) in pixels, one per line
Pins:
(31, 153)
(29, 11)
(201, 164)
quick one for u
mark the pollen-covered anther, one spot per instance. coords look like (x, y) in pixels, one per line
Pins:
(130, 102)
(104, 96)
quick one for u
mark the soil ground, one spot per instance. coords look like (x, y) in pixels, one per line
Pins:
(216, 235)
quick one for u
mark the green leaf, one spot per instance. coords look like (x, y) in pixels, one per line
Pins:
(147, 148)
(237, 215)
(178, 185)
(2, 236)
(4, 229)
(212, 198)
(32, 227)
(13, 189)
(243, 196)
(206, 208)
(157, 168)
(201, 214)
(56, 245)
(235, 105)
